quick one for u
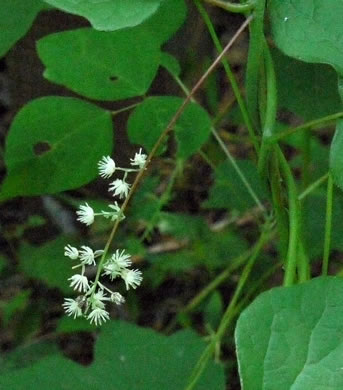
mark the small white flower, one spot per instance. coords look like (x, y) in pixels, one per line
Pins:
(117, 298)
(87, 255)
(121, 259)
(72, 307)
(132, 278)
(98, 315)
(98, 298)
(115, 214)
(139, 159)
(120, 187)
(79, 282)
(85, 214)
(71, 252)
(112, 270)
(106, 167)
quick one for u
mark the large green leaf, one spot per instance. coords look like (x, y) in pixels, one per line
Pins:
(109, 15)
(229, 192)
(126, 358)
(47, 264)
(292, 338)
(16, 17)
(309, 30)
(150, 118)
(308, 90)
(111, 66)
(336, 155)
(104, 66)
(53, 145)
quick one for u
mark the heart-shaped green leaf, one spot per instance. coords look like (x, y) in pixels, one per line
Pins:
(53, 145)
(113, 65)
(109, 15)
(105, 66)
(309, 30)
(126, 358)
(150, 118)
(291, 338)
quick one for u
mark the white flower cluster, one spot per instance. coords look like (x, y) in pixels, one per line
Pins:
(91, 304)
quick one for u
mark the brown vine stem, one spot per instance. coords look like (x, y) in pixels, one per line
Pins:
(169, 127)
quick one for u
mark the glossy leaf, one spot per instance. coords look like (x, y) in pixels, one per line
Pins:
(16, 18)
(109, 15)
(126, 358)
(308, 90)
(291, 338)
(111, 66)
(54, 145)
(150, 118)
(309, 30)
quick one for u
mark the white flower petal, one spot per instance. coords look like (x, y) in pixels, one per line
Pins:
(139, 159)
(71, 252)
(72, 307)
(106, 167)
(98, 315)
(117, 298)
(85, 214)
(79, 282)
(132, 278)
(87, 255)
(120, 187)
(121, 259)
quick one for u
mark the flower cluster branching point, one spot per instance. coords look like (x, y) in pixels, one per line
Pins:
(92, 303)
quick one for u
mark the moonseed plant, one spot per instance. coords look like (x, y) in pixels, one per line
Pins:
(91, 303)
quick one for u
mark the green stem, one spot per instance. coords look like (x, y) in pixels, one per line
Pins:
(311, 125)
(306, 156)
(270, 113)
(294, 221)
(231, 7)
(230, 75)
(236, 263)
(230, 158)
(256, 47)
(230, 311)
(303, 264)
(328, 226)
(239, 172)
(279, 203)
(116, 112)
(313, 186)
